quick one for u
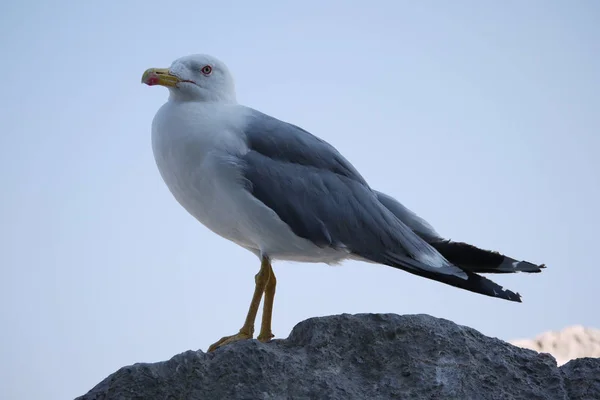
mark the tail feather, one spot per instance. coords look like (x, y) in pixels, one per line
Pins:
(473, 282)
(474, 259)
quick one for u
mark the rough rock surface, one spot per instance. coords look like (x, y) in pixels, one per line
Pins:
(565, 345)
(366, 356)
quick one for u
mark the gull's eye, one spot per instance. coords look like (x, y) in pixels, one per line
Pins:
(206, 70)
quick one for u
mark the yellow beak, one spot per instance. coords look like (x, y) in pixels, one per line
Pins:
(160, 76)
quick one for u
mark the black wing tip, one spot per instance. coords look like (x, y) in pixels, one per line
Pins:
(530, 267)
(474, 283)
(516, 297)
(492, 289)
(474, 259)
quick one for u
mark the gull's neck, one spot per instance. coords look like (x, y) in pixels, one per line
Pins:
(205, 97)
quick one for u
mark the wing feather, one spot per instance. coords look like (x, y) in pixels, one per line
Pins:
(322, 197)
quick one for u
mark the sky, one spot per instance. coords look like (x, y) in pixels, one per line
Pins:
(480, 116)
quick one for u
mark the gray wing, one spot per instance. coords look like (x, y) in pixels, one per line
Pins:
(322, 197)
(287, 143)
(412, 220)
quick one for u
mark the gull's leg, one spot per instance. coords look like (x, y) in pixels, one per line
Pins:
(265, 329)
(261, 279)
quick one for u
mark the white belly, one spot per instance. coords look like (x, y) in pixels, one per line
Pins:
(201, 173)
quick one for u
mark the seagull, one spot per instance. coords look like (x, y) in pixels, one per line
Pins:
(283, 193)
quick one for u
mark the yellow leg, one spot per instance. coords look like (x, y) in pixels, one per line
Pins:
(261, 279)
(265, 329)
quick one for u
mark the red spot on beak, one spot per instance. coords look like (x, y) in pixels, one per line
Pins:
(152, 80)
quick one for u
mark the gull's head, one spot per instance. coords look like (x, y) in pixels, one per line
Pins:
(197, 77)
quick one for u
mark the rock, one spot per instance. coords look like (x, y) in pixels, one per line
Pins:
(568, 344)
(365, 356)
(582, 378)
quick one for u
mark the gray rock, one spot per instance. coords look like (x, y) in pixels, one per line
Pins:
(366, 356)
(582, 378)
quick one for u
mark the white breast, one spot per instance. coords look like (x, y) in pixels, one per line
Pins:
(184, 142)
(196, 147)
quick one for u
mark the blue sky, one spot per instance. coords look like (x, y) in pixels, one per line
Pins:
(480, 116)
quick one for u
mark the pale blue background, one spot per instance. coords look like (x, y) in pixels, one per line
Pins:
(482, 116)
